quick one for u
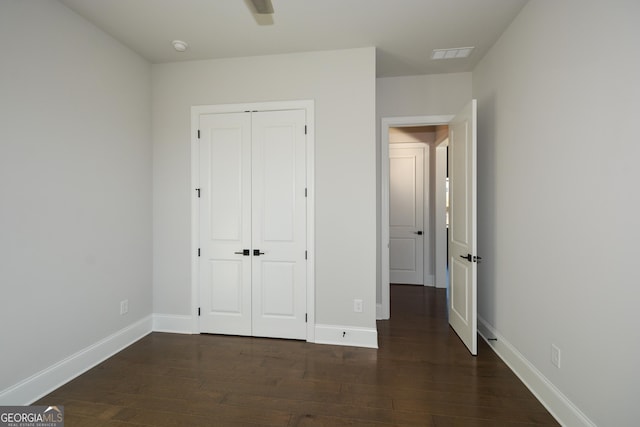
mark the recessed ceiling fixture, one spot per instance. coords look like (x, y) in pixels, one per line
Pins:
(179, 45)
(454, 53)
(263, 7)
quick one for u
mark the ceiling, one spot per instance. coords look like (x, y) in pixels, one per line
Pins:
(404, 31)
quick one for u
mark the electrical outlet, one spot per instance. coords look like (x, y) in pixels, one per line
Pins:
(124, 307)
(555, 356)
(357, 305)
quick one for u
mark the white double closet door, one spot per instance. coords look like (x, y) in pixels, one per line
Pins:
(252, 269)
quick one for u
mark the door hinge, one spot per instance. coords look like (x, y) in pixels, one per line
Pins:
(198, 191)
(305, 192)
(306, 318)
(198, 311)
(305, 129)
(305, 254)
(198, 133)
(198, 251)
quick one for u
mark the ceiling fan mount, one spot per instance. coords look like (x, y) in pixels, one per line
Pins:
(262, 7)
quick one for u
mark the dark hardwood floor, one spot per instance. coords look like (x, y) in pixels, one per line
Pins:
(422, 375)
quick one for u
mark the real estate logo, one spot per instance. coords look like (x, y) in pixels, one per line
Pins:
(31, 416)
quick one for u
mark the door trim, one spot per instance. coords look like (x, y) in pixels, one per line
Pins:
(306, 105)
(384, 310)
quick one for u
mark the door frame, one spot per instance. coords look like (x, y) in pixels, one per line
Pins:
(384, 311)
(308, 106)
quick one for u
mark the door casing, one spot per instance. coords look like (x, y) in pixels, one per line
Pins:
(196, 111)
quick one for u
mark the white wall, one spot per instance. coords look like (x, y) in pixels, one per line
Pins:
(559, 101)
(426, 95)
(75, 187)
(436, 94)
(342, 83)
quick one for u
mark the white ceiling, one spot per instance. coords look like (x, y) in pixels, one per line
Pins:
(404, 31)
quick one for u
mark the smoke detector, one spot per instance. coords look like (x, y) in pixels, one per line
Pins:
(179, 45)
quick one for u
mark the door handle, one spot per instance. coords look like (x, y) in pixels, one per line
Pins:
(244, 252)
(472, 258)
(419, 233)
(256, 252)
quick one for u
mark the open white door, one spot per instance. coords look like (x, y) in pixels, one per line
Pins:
(463, 259)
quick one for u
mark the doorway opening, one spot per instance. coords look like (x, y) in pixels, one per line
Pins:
(428, 234)
(462, 242)
(417, 204)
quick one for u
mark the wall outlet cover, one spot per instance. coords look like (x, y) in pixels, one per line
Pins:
(555, 356)
(357, 305)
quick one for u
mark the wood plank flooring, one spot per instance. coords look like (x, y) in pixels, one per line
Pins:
(422, 375)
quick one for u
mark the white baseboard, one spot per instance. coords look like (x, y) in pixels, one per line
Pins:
(177, 324)
(430, 280)
(346, 335)
(564, 411)
(42, 383)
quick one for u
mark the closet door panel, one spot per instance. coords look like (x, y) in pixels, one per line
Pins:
(279, 224)
(225, 223)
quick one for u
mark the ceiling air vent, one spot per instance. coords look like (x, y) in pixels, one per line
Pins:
(454, 53)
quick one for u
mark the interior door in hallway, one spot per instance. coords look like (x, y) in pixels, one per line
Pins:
(252, 268)
(406, 213)
(463, 260)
